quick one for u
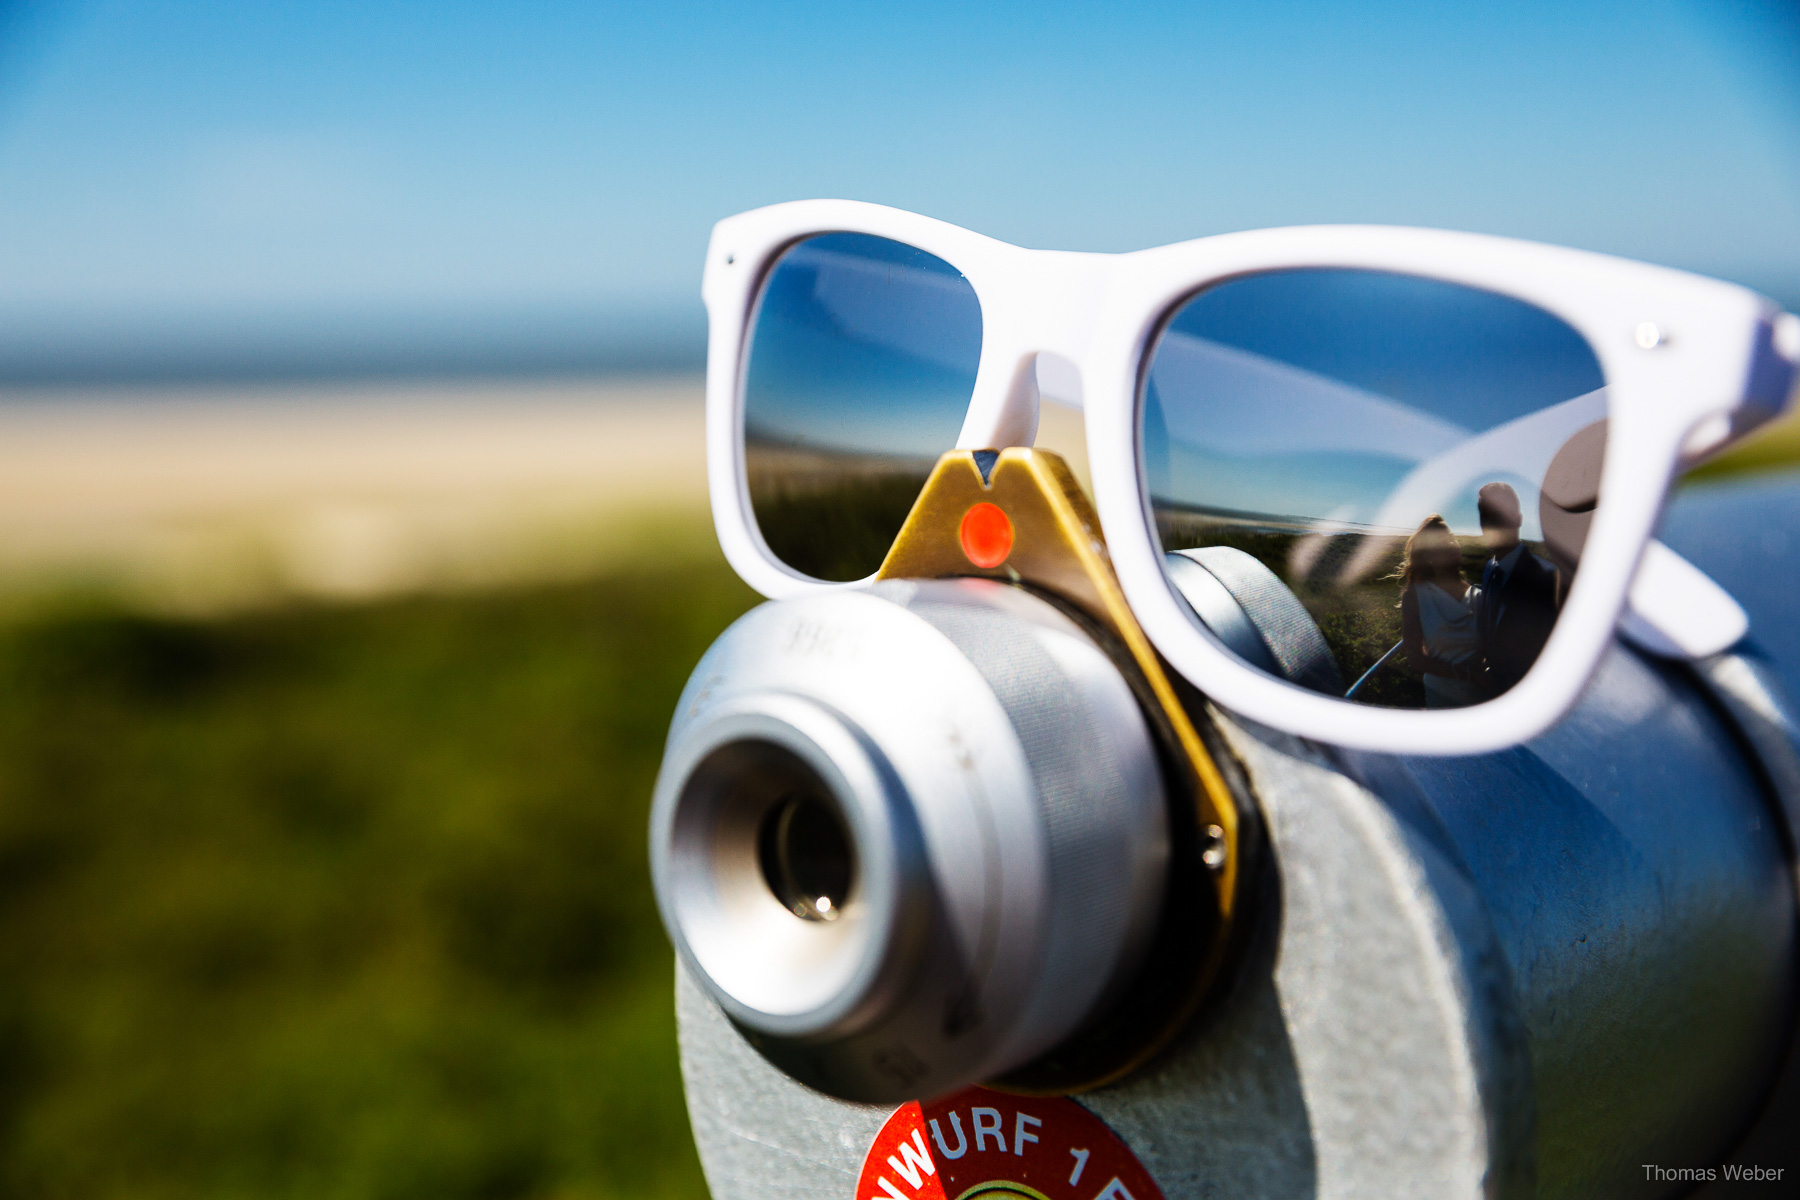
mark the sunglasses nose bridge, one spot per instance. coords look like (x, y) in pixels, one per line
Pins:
(1035, 340)
(1058, 308)
(1059, 379)
(1004, 409)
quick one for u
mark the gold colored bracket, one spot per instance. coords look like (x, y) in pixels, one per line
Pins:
(1058, 549)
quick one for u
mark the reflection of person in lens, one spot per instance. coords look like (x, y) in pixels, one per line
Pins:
(1438, 623)
(1519, 592)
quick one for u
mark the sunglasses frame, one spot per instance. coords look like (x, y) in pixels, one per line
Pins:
(1690, 364)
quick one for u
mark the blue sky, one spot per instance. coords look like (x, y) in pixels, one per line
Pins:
(228, 180)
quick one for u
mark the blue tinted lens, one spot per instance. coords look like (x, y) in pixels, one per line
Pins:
(1365, 462)
(862, 361)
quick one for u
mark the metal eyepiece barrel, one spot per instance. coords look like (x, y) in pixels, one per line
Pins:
(909, 838)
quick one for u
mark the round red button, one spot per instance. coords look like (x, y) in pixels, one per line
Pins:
(987, 535)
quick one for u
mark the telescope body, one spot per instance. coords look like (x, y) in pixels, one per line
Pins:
(1563, 970)
(1525, 974)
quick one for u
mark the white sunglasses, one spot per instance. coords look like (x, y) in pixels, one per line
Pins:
(1387, 488)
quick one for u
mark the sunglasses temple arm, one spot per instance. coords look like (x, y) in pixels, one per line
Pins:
(1675, 610)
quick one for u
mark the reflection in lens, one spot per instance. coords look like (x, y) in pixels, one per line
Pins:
(861, 364)
(1375, 447)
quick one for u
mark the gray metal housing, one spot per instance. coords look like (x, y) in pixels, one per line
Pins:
(1524, 974)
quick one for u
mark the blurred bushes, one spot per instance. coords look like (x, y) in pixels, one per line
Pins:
(344, 902)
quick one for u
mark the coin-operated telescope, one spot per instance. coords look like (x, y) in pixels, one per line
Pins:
(972, 897)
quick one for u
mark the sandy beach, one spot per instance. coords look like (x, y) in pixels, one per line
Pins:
(207, 497)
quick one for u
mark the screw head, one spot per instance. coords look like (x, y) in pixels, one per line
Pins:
(1213, 850)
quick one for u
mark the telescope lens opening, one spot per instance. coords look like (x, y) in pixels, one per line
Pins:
(806, 855)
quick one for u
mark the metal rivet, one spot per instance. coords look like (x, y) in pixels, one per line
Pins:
(1648, 336)
(1213, 855)
(730, 258)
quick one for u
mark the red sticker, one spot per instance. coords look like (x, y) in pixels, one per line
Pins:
(982, 1145)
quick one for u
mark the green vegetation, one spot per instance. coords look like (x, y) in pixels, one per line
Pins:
(344, 902)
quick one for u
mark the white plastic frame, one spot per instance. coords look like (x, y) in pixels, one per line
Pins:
(1689, 363)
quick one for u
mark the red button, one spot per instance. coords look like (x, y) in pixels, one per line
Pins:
(987, 535)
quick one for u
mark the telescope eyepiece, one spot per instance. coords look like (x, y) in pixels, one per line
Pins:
(779, 864)
(911, 837)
